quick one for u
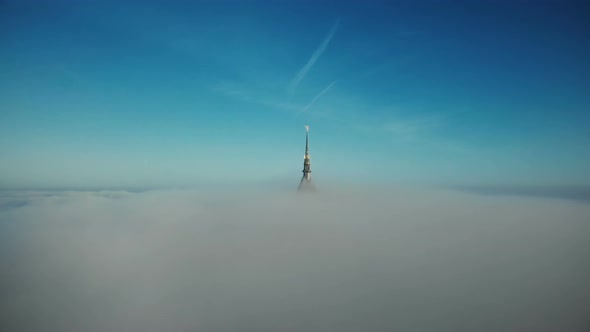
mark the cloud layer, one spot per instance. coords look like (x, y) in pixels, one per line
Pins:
(354, 260)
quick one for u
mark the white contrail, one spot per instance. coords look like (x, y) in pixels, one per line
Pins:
(316, 97)
(314, 57)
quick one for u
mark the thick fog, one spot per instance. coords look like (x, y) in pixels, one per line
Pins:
(341, 260)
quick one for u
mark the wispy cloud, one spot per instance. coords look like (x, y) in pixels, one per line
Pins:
(314, 57)
(240, 93)
(425, 130)
(69, 73)
(410, 129)
(306, 108)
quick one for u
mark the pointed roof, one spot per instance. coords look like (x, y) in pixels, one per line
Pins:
(305, 184)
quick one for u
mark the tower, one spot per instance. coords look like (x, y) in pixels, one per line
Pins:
(306, 184)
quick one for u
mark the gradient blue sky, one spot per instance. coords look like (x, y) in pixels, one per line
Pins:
(156, 93)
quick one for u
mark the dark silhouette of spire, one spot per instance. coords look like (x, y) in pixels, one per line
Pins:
(306, 184)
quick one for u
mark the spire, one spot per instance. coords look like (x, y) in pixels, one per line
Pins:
(306, 141)
(305, 184)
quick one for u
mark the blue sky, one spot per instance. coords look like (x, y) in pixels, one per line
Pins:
(155, 93)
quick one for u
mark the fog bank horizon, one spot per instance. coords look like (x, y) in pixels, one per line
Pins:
(410, 259)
